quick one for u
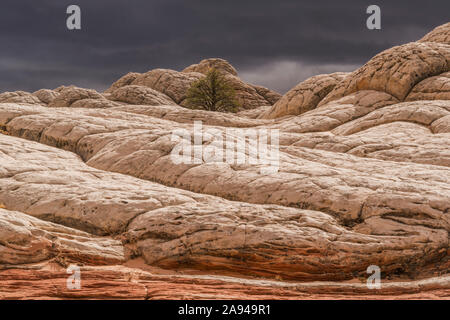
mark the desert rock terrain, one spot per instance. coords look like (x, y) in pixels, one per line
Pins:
(87, 179)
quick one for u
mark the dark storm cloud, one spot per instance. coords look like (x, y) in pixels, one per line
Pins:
(273, 43)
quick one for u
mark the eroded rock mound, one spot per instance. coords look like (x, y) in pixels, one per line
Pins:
(25, 239)
(440, 34)
(68, 96)
(336, 113)
(396, 71)
(305, 96)
(205, 65)
(92, 103)
(46, 95)
(432, 88)
(123, 81)
(175, 84)
(247, 95)
(172, 83)
(19, 97)
(134, 94)
(271, 96)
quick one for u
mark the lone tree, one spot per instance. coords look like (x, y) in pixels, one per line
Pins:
(213, 93)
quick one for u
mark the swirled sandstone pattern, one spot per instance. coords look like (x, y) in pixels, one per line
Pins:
(363, 178)
(305, 96)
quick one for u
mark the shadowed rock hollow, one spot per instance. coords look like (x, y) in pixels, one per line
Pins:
(363, 179)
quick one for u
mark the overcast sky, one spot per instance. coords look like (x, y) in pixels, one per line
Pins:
(274, 43)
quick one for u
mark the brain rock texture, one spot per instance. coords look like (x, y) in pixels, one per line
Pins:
(363, 179)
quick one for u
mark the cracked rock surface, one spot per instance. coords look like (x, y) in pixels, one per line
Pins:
(362, 178)
(305, 96)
